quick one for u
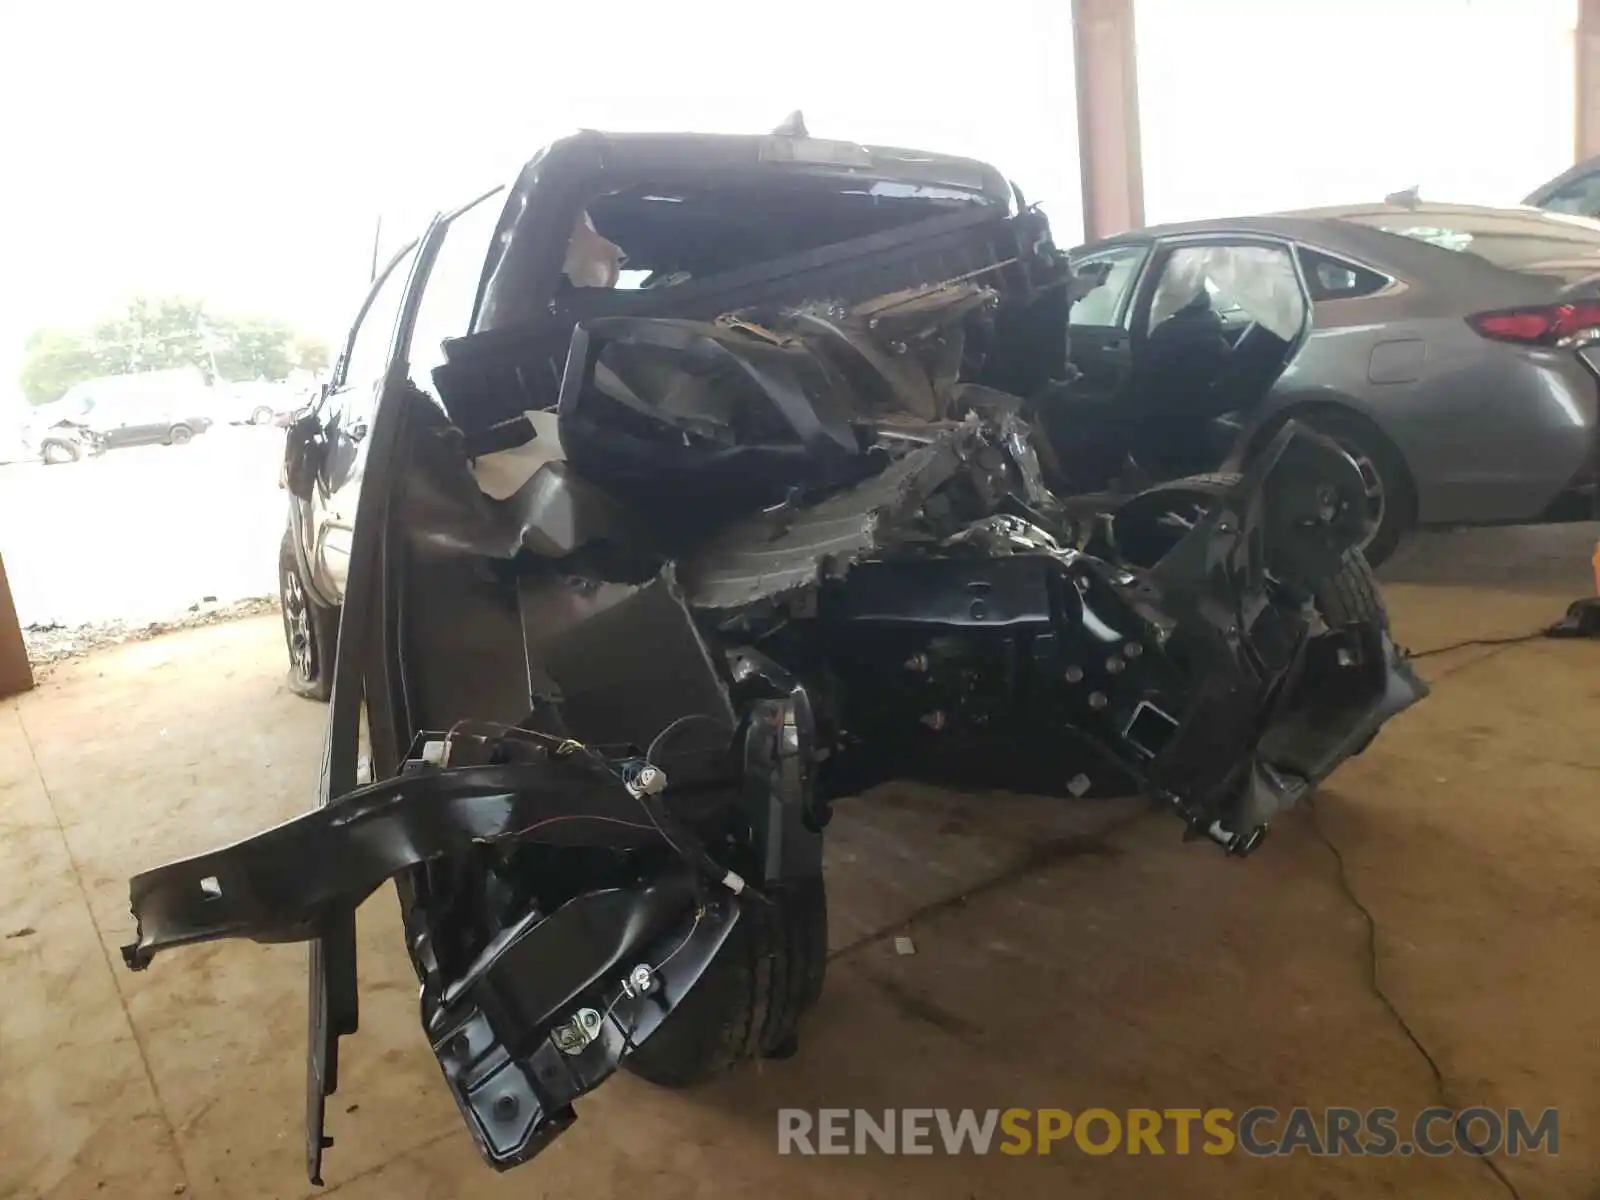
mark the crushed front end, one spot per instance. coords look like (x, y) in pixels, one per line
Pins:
(777, 558)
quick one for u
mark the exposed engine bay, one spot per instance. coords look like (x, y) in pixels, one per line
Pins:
(629, 650)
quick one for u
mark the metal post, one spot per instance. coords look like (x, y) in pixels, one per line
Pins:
(1108, 116)
(15, 673)
(1586, 78)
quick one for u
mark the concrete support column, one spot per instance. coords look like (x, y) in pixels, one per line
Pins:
(15, 674)
(1586, 43)
(1108, 116)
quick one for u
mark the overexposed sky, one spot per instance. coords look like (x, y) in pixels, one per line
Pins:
(241, 153)
(1256, 105)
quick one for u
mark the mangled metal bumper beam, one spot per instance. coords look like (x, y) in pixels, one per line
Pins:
(552, 1003)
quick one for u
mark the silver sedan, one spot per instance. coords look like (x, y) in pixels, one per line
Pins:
(1453, 350)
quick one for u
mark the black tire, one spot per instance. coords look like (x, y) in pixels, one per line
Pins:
(261, 416)
(1139, 525)
(56, 451)
(749, 1002)
(1389, 488)
(310, 629)
(180, 435)
(1349, 597)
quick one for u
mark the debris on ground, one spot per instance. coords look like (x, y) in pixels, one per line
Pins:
(51, 642)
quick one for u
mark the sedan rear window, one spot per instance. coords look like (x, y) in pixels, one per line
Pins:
(1517, 239)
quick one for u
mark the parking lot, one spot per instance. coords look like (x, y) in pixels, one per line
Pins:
(140, 534)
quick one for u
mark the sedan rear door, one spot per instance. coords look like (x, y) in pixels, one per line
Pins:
(1100, 346)
(1185, 339)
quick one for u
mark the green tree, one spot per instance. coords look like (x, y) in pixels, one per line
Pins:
(153, 335)
(252, 347)
(159, 333)
(311, 354)
(54, 360)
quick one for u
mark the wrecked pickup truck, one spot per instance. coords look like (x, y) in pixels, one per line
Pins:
(697, 482)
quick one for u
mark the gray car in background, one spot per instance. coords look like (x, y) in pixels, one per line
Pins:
(167, 408)
(1576, 191)
(1452, 350)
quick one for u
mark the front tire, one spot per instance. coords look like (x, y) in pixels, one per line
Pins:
(1350, 597)
(1391, 501)
(261, 416)
(310, 629)
(180, 435)
(55, 451)
(749, 1002)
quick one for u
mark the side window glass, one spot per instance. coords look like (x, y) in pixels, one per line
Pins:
(446, 308)
(1229, 287)
(1100, 307)
(1579, 197)
(369, 351)
(1331, 278)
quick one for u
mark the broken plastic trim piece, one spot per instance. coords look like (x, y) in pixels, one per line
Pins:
(281, 885)
(553, 1006)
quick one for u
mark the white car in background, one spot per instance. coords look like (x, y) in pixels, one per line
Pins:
(256, 402)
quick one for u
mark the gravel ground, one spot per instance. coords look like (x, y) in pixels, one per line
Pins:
(50, 642)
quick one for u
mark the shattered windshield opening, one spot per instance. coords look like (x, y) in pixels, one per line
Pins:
(671, 232)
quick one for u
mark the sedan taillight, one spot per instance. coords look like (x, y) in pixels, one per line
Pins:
(1548, 325)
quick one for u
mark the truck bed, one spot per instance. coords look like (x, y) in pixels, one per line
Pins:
(497, 374)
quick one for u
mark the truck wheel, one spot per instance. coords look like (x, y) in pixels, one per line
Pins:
(180, 435)
(54, 451)
(1390, 497)
(261, 416)
(1161, 515)
(310, 629)
(1351, 597)
(749, 1001)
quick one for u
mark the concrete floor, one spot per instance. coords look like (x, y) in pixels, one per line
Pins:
(1095, 960)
